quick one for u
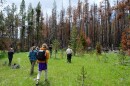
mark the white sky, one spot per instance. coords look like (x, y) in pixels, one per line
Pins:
(47, 5)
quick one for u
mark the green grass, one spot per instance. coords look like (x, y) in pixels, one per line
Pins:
(60, 73)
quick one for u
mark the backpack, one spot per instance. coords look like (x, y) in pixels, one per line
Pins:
(41, 55)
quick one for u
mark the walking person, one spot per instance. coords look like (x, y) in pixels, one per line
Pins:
(10, 55)
(32, 58)
(69, 54)
(42, 56)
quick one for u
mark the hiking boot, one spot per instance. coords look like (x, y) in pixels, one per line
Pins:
(37, 83)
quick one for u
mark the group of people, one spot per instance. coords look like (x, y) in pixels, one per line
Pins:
(42, 64)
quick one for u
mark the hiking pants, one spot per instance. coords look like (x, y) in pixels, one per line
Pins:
(32, 66)
(10, 57)
(69, 58)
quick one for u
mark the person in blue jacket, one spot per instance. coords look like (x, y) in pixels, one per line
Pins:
(32, 58)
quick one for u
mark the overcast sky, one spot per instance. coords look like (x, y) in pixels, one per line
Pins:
(47, 5)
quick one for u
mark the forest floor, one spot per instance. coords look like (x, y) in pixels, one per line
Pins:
(102, 70)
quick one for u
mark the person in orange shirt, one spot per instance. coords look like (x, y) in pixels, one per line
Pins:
(42, 65)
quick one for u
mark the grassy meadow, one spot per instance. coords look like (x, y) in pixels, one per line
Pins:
(103, 70)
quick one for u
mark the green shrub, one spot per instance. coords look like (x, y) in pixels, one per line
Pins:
(105, 58)
(121, 57)
(98, 48)
(83, 79)
(3, 54)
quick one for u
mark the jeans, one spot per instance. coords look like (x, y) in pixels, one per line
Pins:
(69, 58)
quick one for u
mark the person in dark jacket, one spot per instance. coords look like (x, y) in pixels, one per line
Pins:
(10, 55)
(32, 58)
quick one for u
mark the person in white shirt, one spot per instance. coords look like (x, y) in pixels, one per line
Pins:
(69, 54)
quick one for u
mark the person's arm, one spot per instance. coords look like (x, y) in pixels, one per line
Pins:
(13, 52)
(29, 54)
(47, 55)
